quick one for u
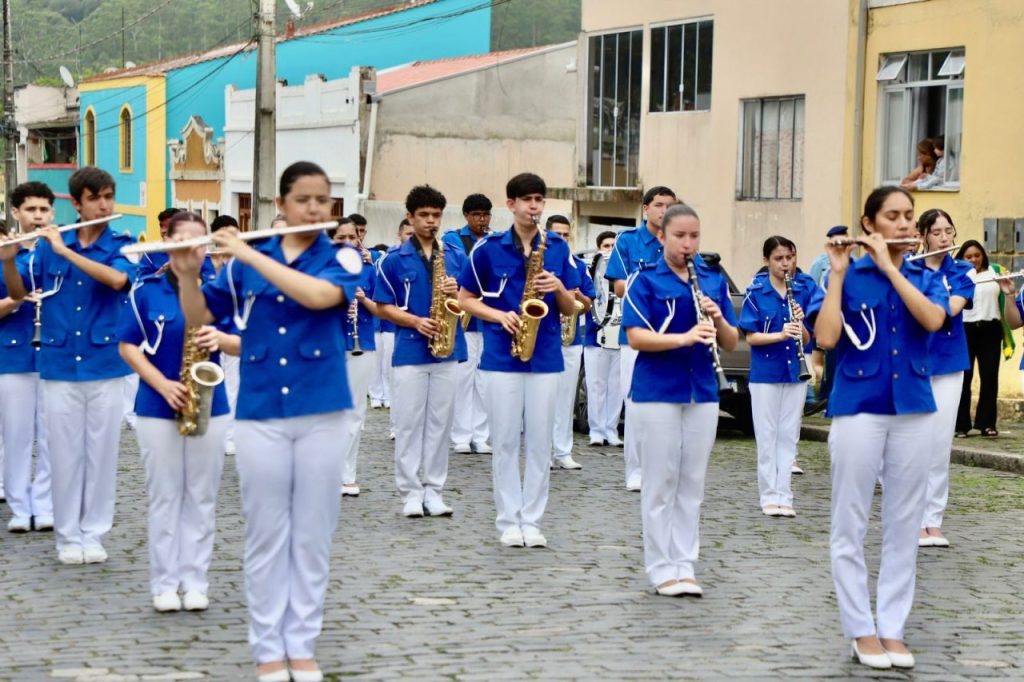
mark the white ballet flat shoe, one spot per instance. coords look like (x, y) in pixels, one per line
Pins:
(877, 661)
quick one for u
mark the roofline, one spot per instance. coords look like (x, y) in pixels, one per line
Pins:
(499, 62)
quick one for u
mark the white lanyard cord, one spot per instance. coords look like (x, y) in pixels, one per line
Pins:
(241, 320)
(146, 346)
(871, 326)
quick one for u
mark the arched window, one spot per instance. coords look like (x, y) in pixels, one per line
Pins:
(89, 140)
(126, 139)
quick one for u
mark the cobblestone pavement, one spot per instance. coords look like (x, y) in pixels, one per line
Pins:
(439, 598)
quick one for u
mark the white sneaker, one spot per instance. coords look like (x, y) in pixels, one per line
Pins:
(229, 447)
(391, 436)
(596, 442)
(3, 495)
(376, 404)
(413, 508)
(567, 462)
(513, 537)
(795, 469)
(43, 522)
(70, 556)
(462, 448)
(437, 507)
(167, 601)
(195, 600)
(482, 448)
(350, 489)
(633, 484)
(387, 404)
(19, 524)
(532, 537)
(615, 442)
(94, 554)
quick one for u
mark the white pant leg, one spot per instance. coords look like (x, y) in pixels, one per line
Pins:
(232, 379)
(17, 423)
(565, 401)
(42, 496)
(481, 428)
(660, 430)
(204, 463)
(613, 396)
(102, 441)
(946, 388)
(464, 417)
(360, 370)
(700, 426)
(904, 479)
(505, 394)
(538, 424)
(130, 389)
(777, 411)
(596, 373)
(627, 360)
(387, 350)
(376, 387)
(409, 410)
(316, 490)
(437, 424)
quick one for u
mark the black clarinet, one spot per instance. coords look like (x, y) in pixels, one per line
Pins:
(724, 385)
(805, 373)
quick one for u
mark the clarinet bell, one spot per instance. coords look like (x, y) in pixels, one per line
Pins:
(724, 385)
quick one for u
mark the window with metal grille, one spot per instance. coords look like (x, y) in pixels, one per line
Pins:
(613, 108)
(771, 163)
(681, 66)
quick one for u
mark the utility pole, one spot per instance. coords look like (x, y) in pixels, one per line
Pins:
(9, 125)
(123, 60)
(264, 144)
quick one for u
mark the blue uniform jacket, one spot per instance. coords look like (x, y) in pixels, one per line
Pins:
(881, 359)
(587, 289)
(154, 322)
(765, 311)
(293, 358)
(17, 355)
(404, 280)
(79, 335)
(458, 238)
(657, 299)
(947, 348)
(149, 263)
(497, 273)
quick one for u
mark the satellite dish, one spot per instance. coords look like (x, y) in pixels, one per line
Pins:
(293, 7)
(65, 76)
(130, 65)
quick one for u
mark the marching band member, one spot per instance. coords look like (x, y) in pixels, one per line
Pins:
(386, 347)
(674, 397)
(876, 317)
(572, 356)
(469, 426)
(635, 249)
(360, 346)
(21, 394)
(776, 334)
(519, 390)
(601, 355)
(947, 352)
(182, 470)
(83, 376)
(287, 296)
(423, 408)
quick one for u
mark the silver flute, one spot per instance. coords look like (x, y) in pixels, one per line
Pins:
(937, 252)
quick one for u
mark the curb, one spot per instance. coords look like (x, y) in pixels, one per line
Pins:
(973, 457)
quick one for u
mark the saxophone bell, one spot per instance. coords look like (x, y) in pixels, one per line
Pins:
(200, 377)
(571, 324)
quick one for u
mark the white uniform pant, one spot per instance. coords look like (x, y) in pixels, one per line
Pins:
(627, 360)
(360, 370)
(520, 406)
(565, 401)
(862, 447)
(232, 380)
(131, 388)
(386, 349)
(777, 411)
(21, 422)
(469, 424)
(290, 476)
(378, 387)
(182, 479)
(604, 392)
(422, 408)
(947, 388)
(83, 422)
(675, 441)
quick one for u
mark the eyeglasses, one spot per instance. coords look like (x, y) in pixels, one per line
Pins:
(479, 214)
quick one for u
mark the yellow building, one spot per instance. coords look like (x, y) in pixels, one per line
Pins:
(928, 68)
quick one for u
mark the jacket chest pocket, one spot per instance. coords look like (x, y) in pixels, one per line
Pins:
(312, 350)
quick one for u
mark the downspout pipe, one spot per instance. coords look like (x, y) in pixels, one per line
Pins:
(858, 113)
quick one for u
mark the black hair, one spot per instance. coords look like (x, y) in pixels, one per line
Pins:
(380, 247)
(358, 219)
(873, 204)
(557, 218)
(223, 220)
(928, 218)
(976, 244)
(89, 178)
(405, 221)
(676, 211)
(939, 142)
(607, 234)
(3, 229)
(345, 221)
(476, 202)
(424, 196)
(775, 242)
(658, 191)
(32, 188)
(299, 169)
(525, 184)
(183, 217)
(167, 213)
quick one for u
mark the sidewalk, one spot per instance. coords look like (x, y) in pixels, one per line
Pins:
(1004, 452)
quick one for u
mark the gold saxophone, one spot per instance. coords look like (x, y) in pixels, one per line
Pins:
(571, 324)
(199, 376)
(532, 309)
(444, 309)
